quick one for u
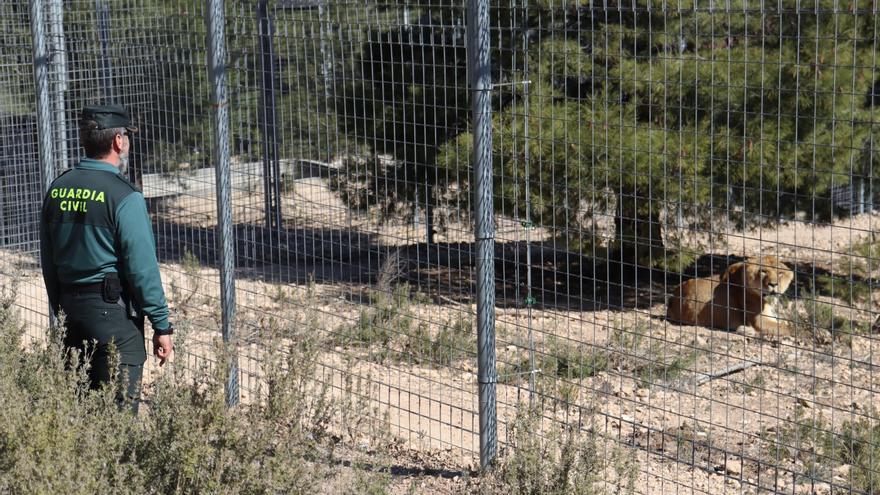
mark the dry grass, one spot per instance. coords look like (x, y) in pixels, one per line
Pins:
(186, 440)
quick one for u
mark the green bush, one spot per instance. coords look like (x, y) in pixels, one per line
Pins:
(563, 459)
(821, 449)
(858, 446)
(387, 315)
(57, 436)
(816, 318)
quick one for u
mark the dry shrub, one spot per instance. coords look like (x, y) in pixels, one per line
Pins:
(57, 436)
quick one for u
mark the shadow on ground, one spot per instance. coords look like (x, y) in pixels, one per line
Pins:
(552, 277)
(544, 274)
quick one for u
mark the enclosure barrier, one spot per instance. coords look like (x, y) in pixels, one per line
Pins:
(652, 224)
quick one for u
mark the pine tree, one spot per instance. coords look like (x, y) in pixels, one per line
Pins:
(408, 97)
(734, 112)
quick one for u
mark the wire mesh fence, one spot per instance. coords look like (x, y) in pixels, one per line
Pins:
(685, 261)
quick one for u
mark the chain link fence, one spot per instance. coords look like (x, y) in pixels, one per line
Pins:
(681, 252)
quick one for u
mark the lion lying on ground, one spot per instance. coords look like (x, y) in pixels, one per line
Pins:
(736, 298)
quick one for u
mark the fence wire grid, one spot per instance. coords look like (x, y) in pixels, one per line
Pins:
(683, 222)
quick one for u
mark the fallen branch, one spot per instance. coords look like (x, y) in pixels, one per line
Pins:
(736, 368)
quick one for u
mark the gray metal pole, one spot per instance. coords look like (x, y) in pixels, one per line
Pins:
(269, 122)
(59, 83)
(102, 11)
(41, 81)
(44, 119)
(480, 78)
(326, 56)
(217, 69)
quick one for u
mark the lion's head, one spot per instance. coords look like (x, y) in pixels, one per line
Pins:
(764, 275)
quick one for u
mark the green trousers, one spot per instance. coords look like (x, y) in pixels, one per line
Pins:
(93, 326)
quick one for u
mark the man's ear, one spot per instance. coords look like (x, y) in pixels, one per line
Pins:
(117, 143)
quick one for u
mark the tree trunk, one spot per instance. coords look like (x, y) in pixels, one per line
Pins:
(429, 217)
(637, 236)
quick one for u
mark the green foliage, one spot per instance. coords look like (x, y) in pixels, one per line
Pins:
(564, 360)
(156, 56)
(676, 258)
(452, 342)
(821, 449)
(386, 315)
(657, 366)
(653, 360)
(390, 329)
(858, 445)
(403, 113)
(755, 114)
(865, 258)
(814, 320)
(407, 104)
(846, 288)
(869, 249)
(563, 459)
(186, 440)
(17, 95)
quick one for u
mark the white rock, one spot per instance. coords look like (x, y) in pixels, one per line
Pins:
(746, 330)
(733, 466)
(842, 471)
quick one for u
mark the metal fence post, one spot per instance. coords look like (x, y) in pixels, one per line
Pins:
(216, 22)
(269, 121)
(41, 81)
(44, 119)
(102, 12)
(326, 56)
(479, 72)
(59, 83)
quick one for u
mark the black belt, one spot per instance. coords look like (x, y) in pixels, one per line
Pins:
(95, 288)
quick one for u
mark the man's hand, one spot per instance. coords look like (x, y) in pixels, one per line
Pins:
(162, 347)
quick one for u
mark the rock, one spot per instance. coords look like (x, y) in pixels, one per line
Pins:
(746, 330)
(822, 336)
(842, 471)
(642, 392)
(626, 390)
(733, 466)
(822, 488)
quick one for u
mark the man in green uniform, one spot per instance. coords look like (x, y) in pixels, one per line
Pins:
(99, 256)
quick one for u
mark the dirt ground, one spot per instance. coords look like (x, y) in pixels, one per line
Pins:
(657, 389)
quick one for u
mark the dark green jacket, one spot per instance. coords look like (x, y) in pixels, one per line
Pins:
(94, 221)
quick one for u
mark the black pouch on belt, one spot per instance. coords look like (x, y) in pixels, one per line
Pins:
(111, 289)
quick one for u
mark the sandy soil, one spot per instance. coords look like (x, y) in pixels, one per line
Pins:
(727, 434)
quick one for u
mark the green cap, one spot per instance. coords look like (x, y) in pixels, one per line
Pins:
(108, 117)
